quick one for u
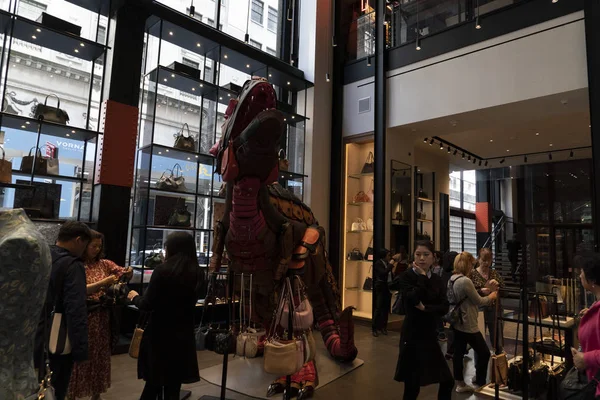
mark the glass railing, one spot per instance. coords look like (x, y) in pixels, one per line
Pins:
(407, 20)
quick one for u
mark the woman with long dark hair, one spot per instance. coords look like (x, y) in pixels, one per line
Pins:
(421, 361)
(168, 353)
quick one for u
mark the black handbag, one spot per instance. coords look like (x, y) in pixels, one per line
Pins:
(356, 255)
(369, 166)
(45, 112)
(115, 295)
(41, 163)
(183, 142)
(180, 217)
(154, 260)
(368, 285)
(370, 252)
(225, 343)
(575, 386)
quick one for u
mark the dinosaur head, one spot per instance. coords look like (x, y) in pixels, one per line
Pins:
(250, 135)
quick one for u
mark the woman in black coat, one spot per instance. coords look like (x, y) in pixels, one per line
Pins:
(421, 361)
(168, 351)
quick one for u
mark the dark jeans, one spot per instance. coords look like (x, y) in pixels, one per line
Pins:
(383, 300)
(61, 367)
(482, 355)
(413, 388)
(153, 392)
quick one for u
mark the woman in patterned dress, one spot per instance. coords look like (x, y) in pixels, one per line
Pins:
(91, 378)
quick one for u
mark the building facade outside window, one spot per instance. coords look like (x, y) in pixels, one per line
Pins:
(463, 233)
(272, 22)
(258, 8)
(256, 44)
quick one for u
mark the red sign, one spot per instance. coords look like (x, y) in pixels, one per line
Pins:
(50, 150)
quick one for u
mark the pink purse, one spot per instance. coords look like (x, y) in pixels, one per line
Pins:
(303, 318)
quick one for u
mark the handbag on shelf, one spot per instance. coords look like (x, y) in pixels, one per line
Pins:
(499, 360)
(539, 306)
(174, 181)
(180, 217)
(302, 316)
(247, 341)
(370, 251)
(48, 113)
(283, 357)
(423, 194)
(5, 169)
(369, 166)
(41, 163)
(183, 142)
(368, 285)
(371, 192)
(284, 163)
(361, 197)
(155, 258)
(359, 225)
(356, 255)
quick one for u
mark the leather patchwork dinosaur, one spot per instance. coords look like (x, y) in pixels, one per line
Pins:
(269, 232)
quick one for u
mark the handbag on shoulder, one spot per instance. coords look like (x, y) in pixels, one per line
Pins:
(184, 142)
(369, 166)
(48, 113)
(5, 169)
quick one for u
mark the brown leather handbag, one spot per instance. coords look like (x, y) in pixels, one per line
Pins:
(499, 361)
(136, 341)
(5, 169)
(184, 142)
(538, 308)
(284, 163)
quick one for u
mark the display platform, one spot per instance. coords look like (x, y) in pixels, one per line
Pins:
(247, 376)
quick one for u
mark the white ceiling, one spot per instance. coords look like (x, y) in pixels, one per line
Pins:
(543, 124)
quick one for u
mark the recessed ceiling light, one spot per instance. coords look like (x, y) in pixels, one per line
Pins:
(491, 140)
(165, 79)
(27, 122)
(193, 89)
(197, 156)
(38, 30)
(285, 119)
(73, 131)
(171, 33)
(201, 85)
(507, 150)
(33, 37)
(188, 158)
(272, 76)
(220, 98)
(23, 127)
(292, 117)
(167, 150)
(537, 134)
(247, 65)
(67, 135)
(225, 56)
(197, 44)
(160, 152)
(551, 145)
(289, 83)
(172, 75)
(82, 44)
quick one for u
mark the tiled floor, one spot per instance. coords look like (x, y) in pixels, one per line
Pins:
(374, 380)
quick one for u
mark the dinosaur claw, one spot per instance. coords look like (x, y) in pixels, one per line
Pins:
(306, 392)
(293, 393)
(275, 388)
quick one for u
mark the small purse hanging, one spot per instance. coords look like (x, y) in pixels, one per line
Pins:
(368, 285)
(138, 334)
(184, 142)
(303, 318)
(48, 113)
(370, 252)
(41, 163)
(284, 163)
(369, 166)
(248, 339)
(5, 169)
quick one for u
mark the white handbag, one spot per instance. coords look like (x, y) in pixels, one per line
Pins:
(59, 338)
(370, 224)
(247, 340)
(359, 225)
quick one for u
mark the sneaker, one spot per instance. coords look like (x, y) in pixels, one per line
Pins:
(442, 337)
(464, 389)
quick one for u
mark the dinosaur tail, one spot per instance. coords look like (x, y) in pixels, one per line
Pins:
(338, 337)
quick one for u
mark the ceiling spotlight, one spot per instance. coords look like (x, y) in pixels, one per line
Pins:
(486, 163)
(469, 159)
(551, 145)
(441, 146)
(491, 140)
(463, 156)
(327, 77)
(431, 142)
(554, 1)
(502, 161)
(455, 151)
(550, 156)
(571, 154)
(525, 158)
(480, 163)
(477, 24)
(449, 150)
(418, 43)
(474, 160)
(171, 33)
(537, 134)
(369, 61)
(425, 140)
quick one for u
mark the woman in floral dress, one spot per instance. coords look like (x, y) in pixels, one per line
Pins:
(91, 378)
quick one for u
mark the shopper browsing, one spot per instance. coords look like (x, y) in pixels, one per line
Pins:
(421, 361)
(383, 297)
(462, 294)
(67, 292)
(487, 280)
(92, 378)
(168, 352)
(588, 359)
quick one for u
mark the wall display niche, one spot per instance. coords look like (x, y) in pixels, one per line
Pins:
(189, 81)
(424, 205)
(52, 79)
(401, 207)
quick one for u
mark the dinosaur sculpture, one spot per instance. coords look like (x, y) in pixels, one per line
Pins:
(269, 232)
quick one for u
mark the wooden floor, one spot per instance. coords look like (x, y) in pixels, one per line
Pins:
(374, 380)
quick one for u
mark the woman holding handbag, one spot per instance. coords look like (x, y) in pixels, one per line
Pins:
(421, 361)
(167, 355)
(92, 377)
(588, 359)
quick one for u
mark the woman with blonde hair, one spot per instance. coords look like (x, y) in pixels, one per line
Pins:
(463, 296)
(487, 280)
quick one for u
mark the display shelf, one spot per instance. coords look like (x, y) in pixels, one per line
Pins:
(180, 37)
(47, 128)
(177, 154)
(185, 83)
(101, 7)
(171, 228)
(35, 33)
(424, 200)
(359, 232)
(156, 191)
(291, 175)
(360, 203)
(51, 177)
(359, 176)
(356, 289)
(362, 315)
(59, 220)
(426, 221)
(16, 186)
(359, 261)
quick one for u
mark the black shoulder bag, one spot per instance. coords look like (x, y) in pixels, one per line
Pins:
(454, 316)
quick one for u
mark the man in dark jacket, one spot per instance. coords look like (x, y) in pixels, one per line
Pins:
(66, 292)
